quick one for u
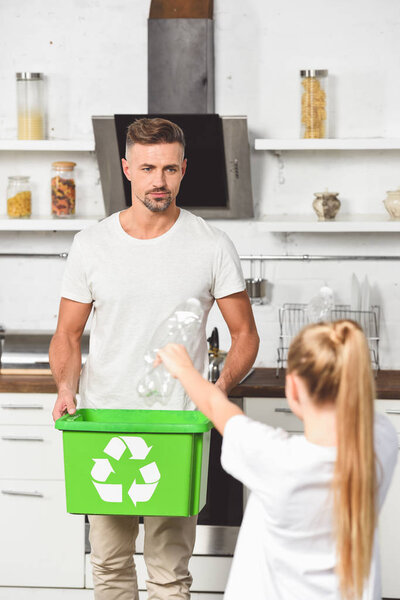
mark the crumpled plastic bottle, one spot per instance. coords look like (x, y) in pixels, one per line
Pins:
(320, 306)
(181, 327)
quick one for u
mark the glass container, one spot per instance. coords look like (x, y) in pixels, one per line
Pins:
(30, 106)
(314, 111)
(63, 189)
(19, 203)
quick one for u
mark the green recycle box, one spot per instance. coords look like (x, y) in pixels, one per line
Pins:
(135, 462)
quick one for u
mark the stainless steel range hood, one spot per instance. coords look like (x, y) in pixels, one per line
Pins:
(227, 199)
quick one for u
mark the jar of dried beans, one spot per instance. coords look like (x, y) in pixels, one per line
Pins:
(63, 189)
(314, 103)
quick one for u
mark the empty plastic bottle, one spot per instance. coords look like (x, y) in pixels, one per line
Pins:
(181, 327)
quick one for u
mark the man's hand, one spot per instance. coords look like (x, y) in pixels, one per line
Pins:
(175, 358)
(65, 403)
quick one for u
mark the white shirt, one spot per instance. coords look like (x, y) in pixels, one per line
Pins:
(136, 284)
(286, 549)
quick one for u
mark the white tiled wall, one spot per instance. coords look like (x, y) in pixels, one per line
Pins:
(94, 56)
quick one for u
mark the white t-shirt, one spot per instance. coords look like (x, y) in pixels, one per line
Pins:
(135, 285)
(286, 549)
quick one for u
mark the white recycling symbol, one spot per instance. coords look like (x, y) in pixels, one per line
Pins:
(138, 492)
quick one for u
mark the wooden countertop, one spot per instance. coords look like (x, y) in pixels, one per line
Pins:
(263, 383)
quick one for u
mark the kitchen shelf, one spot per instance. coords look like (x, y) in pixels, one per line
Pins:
(342, 223)
(328, 144)
(48, 145)
(47, 224)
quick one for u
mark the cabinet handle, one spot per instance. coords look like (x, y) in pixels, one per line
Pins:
(392, 411)
(282, 410)
(23, 406)
(15, 493)
(21, 438)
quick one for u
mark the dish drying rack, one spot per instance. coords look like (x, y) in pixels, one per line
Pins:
(293, 317)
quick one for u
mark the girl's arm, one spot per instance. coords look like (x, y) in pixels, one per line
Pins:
(210, 400)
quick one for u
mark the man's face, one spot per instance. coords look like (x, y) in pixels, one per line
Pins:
(155, 173)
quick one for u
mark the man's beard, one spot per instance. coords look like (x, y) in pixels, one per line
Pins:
(157, 205)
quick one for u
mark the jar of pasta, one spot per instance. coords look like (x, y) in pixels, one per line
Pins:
(19, 197)
(63, 189)
(314, 103)
(30, 106)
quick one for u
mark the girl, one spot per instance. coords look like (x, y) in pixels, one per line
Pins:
(309, 529)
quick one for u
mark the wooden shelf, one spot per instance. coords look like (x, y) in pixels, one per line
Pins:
(47, 224)
(342, 223)
(328, 144)
(48, 145)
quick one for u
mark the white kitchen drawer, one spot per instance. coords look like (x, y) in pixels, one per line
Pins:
(390, 408)
(41, 545)
(210, 573)
(26, 409)
(274, 412)
(31, 452)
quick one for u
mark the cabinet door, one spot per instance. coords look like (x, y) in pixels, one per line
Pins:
(31, 452)
(389, 539)
(389, 520)
(41, 545)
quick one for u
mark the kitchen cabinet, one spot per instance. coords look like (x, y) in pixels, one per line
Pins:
(42, 545)
(275, 412)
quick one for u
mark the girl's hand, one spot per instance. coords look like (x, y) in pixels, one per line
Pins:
(175, 358)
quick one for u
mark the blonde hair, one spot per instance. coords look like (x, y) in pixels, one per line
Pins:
(333, 360)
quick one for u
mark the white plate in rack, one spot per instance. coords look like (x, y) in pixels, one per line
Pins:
(365, 295)
(355, 293)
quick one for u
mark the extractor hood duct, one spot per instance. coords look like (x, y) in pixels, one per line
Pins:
(181, 57)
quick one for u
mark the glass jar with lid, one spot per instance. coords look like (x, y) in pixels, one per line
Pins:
(30, 106)
(63, 190)
(314, 110)
(19, 203)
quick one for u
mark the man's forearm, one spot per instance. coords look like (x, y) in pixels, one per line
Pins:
(65, 362)
(239, 360)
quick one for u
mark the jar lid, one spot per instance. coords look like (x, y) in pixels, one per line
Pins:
(25, 75)
(63, 165)
(314, 73)
(19, 177)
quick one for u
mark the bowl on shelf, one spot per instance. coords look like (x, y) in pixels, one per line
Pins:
(392, 203)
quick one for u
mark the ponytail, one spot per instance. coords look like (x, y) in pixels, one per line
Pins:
(355, 478)
(333, 360)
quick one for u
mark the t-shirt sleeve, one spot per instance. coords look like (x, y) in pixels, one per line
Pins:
(227, 271)
(250, 450)
(74, 284)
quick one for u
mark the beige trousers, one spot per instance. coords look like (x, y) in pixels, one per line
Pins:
(168, 546)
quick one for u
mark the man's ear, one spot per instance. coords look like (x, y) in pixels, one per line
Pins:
(292, 395)
(125, 168)
(184, 167)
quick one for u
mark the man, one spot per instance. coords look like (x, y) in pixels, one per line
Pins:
(133, 268)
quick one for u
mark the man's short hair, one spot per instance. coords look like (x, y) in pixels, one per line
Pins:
(154, 131)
